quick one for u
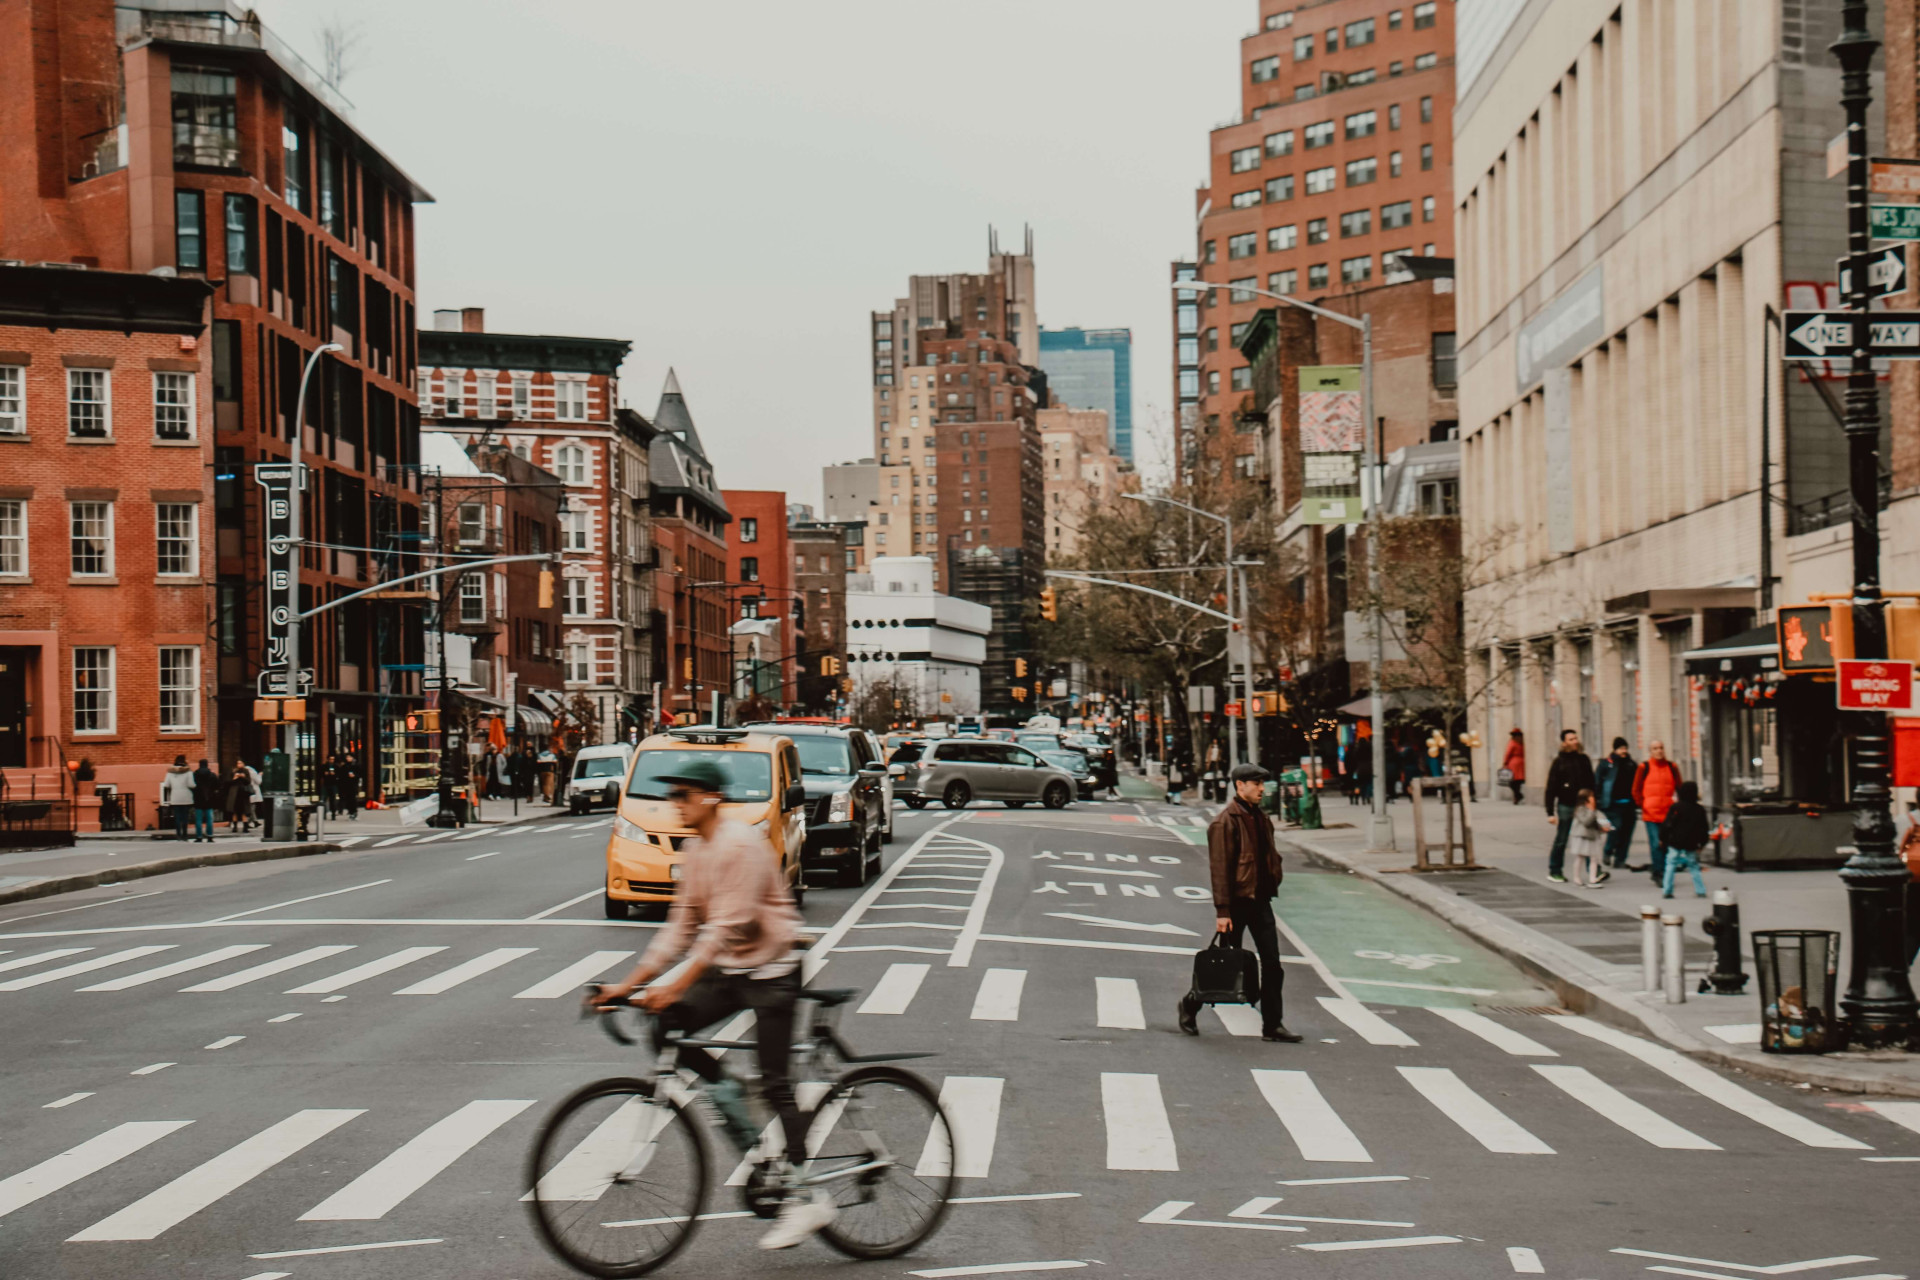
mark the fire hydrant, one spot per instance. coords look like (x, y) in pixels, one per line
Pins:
(1723, 926)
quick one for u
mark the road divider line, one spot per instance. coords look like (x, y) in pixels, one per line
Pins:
(1010, 1199)
(267, 970)
(1315, 1127)
(1000, 1268)
(1482, 1121)
(294, 902)
(1397, 1242)
(152, 1068)
(562, 906)
(225, 1042)
(90, 1157)
(341, 1248)
(1139, 1135)
(1524, 1261)
(1637, 1119)
(416, 1162)
(67, 1101)
(85, 906)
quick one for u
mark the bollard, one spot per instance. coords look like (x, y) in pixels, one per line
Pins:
(1675, 966)
(1649, 948)
(1727, 978)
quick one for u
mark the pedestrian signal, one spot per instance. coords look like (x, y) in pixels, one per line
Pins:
(1019, 692)
(1020, 668)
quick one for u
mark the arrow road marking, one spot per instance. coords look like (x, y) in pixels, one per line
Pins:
(1778, 1269)
(1103, 922)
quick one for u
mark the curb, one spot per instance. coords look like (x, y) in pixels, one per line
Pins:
(141, 870)
(1586, 985)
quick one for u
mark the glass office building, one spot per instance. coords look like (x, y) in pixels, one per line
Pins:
(1093, 369)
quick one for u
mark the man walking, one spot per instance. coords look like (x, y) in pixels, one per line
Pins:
(1655, 787)
(1615, 791)
(1569, 775)
(1246, 878)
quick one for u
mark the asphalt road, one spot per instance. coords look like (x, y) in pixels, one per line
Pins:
(332, 1067)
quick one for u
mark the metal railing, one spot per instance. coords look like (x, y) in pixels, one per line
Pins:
(1831, 508)
(43, 817)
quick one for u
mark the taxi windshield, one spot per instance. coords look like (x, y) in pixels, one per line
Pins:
(822, 754)
(748, 774)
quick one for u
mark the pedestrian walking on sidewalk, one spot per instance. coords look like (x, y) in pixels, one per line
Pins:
(1614, 783)
(176, 792)
(1685, 833)
(1655, 786)
(1513, 765)
(1246, 874)
(1590, 827)
(206, 800)
(242, 784)
(1569, 775)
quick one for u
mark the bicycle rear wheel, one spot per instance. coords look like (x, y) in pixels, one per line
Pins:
(618, 1178)
(882, 1147)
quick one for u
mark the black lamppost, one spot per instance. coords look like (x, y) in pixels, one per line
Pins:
(1879, 1002)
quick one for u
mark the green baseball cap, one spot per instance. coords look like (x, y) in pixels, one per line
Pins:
(701, 775)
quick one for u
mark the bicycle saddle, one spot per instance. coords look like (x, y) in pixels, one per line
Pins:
(827, 997)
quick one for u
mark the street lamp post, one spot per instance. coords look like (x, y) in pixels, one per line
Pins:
(1879, 1001)
(1380, 833)
(294, 490)
(1237, 622)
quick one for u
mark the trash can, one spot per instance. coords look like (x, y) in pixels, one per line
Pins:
(1798, 990)
(282, 819)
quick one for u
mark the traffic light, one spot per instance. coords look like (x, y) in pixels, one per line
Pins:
(829, 665)
(686, 668)
(1049, 604)
(1019, 668)
(546, 588)
(279, 710)
(1019, 693)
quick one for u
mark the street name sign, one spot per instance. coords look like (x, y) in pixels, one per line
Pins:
(1873, 684)
(1887, 176)
(1886, 272)
(1825, 335)
(1894, 221)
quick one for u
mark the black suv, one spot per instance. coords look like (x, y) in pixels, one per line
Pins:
(847, 819)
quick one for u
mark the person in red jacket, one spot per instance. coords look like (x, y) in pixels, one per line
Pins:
(1655, 786)
(1515, 763)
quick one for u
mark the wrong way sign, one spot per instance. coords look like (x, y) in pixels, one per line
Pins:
(1822, 335)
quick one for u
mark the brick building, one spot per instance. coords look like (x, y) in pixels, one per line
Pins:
(822, 559)
(693, 655)
(158, 140)
(765, 613)
(1341, 158)
(106, 550)
(554, 402)
(1081, 472)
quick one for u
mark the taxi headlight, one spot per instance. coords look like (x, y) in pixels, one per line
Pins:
(624, 830)
(673, 870)
(840, 808)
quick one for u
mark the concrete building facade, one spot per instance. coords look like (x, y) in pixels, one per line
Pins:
(1080, 473)
(903, 632)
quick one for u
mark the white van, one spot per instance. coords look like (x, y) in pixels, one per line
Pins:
(598, 775)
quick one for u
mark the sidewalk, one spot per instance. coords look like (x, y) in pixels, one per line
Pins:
(1585, 943)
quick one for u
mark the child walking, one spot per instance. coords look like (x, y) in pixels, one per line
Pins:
(1685, 834)
(1587, 842)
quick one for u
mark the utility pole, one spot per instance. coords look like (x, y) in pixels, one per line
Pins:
(1380, 832)
(1879, 1001)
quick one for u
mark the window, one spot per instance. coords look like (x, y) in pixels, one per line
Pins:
(13, 536)
(88, 408)
(749, 568)
(574, 603)
(1361, 172)
(1439, 497)
(1359, 33)
(570, 401)
(1186, 318)
(1393, 164)
(1321, 181)
(1395, 67)
(242, 257)
(1241, 290)
(486, 393)
(570, 464)
(13, 400)
(522, 396)
(1279, 189)
(1393, 269)
(1361, 124)
(579, 664)
(1317, 276)
(1213, 383)
(1333, 40)
(1244, 245)
(1426, 209)
(749, 529)
(472, 518)
(1393, 116)
(1317, 231)
(473, 598)
(293, 164)
(93, 689)
(1319, 135)
(1424, 61)
(206, 127)
(1265, 69)
(1244, 159)
(1426, 155)
(1206, 252)
(1241, 379)
(1189, 383)
(1354, 79)
(1444, 374)
(176, 538)
(1393, 19)
(1301, 92)
(1423, 15)
(1279, 144)
(173, 406)
(189, 232)
(1302, 48)
(1395, 216)
(1426, 110)
(1245, 199)
(1278, 21)
(1280, 239)
(1357, 223)
(1356, 270)
(1283, 281)
(1236, 334)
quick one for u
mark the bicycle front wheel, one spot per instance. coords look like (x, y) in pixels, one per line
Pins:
(881, 1146)
(618, 1178)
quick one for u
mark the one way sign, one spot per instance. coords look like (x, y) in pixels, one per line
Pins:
(1886, 272)
(1822, 335)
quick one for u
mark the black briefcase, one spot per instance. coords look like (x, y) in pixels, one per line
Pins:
(1225, 974)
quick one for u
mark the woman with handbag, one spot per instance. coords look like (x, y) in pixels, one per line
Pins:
(1513, 765)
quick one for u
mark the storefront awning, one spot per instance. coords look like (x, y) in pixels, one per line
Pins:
(548, 699)
(534, 722)
(1748, 653)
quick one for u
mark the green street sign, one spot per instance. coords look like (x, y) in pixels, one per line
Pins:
(1331, 509)
(1894, 221)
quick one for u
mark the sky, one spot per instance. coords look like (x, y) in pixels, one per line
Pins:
(733, 187)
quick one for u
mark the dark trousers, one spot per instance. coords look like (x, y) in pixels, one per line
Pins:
(718, 995)
(1557, 860)
(182, 815)
(1255, 916)
(1657, 849)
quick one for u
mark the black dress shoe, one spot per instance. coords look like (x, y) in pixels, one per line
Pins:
(1189, 1011)
(1280, 1035)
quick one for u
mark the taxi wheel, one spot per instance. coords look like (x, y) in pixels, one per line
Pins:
(916, 802)
(799, 893)
(655, 911)
(616, 909)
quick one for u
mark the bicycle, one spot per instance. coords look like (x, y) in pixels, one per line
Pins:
(619, 1170)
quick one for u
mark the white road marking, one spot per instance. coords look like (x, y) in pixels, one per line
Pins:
(1316, 1128)
(1092, 944)
(1904, 1114)
(895, 990)
(572, 978)
(1497, 1034)
(285, 1017)
(1422, 986)
(267, 970)
(1399, 1242)
(585, 1172)
(169, 1206)
(151, 1068)
(1238, 1019)
(1139, 1135)
(919, 951)
(25, 962)
(1710, 1085)
(438, 835)
(1524, 1261)
(1307, 953)
(1000, 1269)
(347, 842)
(67, 1101)
(998, 999)
(1483, 1122)
(1168, 1215)
(270, 1275)
(1778, 1269)
(85, 906)
(416, 1162)
(393, 840)
(558, 907)
(224, 1042)
(977, 913)
(294, 902)
(1367, 1024)
(807, 1095)
(911, 924)
(1117, 1004)
(82, 966)
(823, 947)
(1643, 1122)
(360, 973)
(341, 1248)
(1102, 922)
(176, 968)
(447, 980)
(972, 1104)
(493, 854)
(1335, 1182)
(1258, 1208)
(83, 1161)
(1031, 1195)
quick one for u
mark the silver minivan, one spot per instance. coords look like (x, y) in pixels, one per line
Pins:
(958, 771)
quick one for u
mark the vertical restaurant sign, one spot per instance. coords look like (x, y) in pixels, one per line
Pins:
(1332, 439)
(277, 678)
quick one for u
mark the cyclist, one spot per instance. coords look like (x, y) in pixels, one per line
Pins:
(736, 925)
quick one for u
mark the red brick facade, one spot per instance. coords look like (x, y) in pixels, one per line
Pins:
(760, 565)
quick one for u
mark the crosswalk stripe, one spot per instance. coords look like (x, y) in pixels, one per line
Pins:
(360, 973)
(1641, 1121)
(451, 978)
(1707, 1084)
(1117, 1003)
(147, 1217)
(1367, 1024)
(438, 835)
(1316, 1128)
(1497, 1034)
(347, 842)
(416, 1162)
(28, 961)
(227, 982)
(82, 966)
(998, 999)
(1904, 1114)
(1138, 1133)
(1483, 1122)
(972, 1104)
(1238, 1019)
(572, 978)
(585, 1172)
(392, 840)
(83, 1161)
(177, 967)
(895, 990)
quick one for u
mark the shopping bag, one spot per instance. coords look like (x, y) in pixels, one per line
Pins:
(1225, 974)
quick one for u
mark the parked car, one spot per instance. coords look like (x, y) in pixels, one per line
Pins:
(958, 771)
(598, 773)
(1076, 764)
(846, 783)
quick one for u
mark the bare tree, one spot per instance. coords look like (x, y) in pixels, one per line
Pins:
(340, 44)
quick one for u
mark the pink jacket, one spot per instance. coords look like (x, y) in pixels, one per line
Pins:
(732, 909)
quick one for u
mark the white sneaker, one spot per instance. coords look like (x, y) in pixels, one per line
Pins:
(799, 1219)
